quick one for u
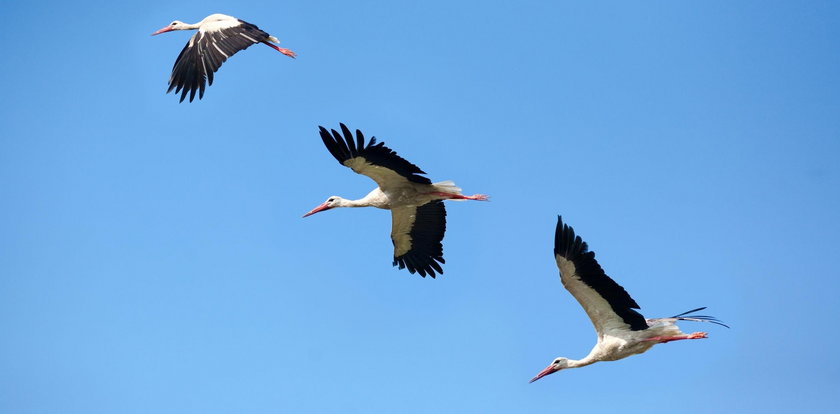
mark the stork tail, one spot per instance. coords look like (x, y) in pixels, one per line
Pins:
(687, 316)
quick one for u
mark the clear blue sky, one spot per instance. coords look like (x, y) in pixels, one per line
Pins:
(153, 258)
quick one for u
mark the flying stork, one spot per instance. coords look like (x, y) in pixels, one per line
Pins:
(219, 37)
(622, 331)
(418, 218)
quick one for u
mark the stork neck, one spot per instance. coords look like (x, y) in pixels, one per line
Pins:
(577, 363)
(362, 202)
(595, 355)
(373, 199)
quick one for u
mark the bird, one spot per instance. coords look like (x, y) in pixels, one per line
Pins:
(219, 37)
(418, 217)
(621, 330)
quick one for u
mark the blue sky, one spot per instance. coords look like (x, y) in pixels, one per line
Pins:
(153, 257)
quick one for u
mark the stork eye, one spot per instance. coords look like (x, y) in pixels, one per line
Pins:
(173, 23)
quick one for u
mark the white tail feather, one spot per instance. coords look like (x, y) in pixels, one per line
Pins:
(447, 186)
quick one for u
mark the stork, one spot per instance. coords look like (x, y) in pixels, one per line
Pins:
(219, 37)
(621, 330)
(418, 218)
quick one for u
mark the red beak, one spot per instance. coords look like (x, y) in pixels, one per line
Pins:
(318, 209)
(548, 370)
(163, 30)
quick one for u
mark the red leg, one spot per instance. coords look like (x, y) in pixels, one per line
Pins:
(286, 52)
(450, 196)
(666, 339)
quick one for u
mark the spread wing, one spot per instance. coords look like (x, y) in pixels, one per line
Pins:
(374, 160)
(204, 54)
(417, 233)
(608, 305)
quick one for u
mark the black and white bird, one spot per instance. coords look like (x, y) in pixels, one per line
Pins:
(219, 37)
(621, 330)
(418, 218)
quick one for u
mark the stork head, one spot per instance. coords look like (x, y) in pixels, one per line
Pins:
(176, 25)
(332, 202)
(556, 365)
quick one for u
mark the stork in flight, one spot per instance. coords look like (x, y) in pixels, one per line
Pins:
(418, 218)
(622, 331)
(219, 37)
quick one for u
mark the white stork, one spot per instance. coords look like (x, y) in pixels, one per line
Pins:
(418, 218)
(622, 331)
(219, 37)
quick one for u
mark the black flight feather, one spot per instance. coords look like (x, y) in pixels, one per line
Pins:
(574, 249)
(344, 146)
(426, 236)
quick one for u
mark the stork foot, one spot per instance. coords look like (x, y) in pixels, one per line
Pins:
(286, 52)
(666, 339)
(450, 196)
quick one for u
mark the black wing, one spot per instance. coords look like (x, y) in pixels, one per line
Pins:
(204, 54)
(608, 305)
(417, 233)
(374, 160)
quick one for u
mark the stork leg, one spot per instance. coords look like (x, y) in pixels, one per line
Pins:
(286, 52)
(666, 339)
(450, 196)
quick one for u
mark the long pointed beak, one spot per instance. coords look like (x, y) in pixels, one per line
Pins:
(318, 209)
(548, 370)
(163, 30)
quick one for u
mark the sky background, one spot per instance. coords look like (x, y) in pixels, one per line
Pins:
(153, 258)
